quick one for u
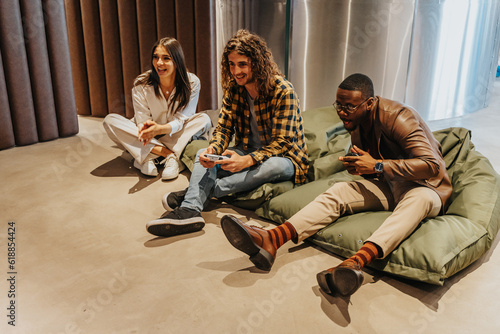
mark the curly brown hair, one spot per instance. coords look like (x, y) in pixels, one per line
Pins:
(262, 62)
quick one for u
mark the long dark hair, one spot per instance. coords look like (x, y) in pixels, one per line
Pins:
(254, 47)
(182, 84)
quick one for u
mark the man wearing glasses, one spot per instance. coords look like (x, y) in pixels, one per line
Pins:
(403, 171)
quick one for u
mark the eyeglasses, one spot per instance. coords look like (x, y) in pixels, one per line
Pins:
(349, 109)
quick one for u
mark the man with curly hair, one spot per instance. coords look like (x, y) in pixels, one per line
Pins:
(260, 111)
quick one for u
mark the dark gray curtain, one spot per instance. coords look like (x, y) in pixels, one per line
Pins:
(110, 43)
(37, 101)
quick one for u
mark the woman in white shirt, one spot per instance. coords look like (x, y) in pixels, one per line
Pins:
(165, 121)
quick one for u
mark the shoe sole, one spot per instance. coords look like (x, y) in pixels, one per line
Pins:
(162, 228)
(169, 176)
(323, 278)
(343, 281)
(242, 240)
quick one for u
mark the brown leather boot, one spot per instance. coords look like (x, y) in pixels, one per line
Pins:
(253, 241)
(344, 279)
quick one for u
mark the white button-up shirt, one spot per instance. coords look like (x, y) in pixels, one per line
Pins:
(148, 107)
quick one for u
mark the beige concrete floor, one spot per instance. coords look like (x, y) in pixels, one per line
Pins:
(85, 263)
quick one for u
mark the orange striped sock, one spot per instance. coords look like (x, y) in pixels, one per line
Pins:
(365, 255)
(283, 233)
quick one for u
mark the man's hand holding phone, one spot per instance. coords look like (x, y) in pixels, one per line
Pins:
(209, 159)
(206, 161)
(358, 162)
(229, 160)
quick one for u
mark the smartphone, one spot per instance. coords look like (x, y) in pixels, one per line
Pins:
(352, 154)
(215, 157)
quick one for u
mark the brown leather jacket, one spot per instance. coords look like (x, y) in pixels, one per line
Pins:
(407, 147)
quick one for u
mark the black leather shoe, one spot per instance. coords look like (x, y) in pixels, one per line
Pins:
(253, 241)
(180, 221)
(344, 279)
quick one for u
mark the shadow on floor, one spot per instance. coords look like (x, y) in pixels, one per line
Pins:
(160, 241)
(336, 308)
(122, 167)
(428, 294)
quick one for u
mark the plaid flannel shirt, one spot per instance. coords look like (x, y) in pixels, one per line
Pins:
(278, 112)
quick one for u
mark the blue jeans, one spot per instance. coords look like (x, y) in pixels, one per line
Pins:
(216, 182)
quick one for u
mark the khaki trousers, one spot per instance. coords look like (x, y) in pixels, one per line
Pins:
(124, 132)
(410, 203)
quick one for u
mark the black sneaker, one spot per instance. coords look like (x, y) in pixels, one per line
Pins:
(159, 161)
(173, 200)
(179, 221)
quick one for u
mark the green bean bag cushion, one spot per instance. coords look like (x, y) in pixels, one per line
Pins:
(437, 249)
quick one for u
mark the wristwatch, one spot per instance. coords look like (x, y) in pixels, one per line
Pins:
(379, 167)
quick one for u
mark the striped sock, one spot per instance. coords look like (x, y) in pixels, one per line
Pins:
(365, 255)
(282, 233)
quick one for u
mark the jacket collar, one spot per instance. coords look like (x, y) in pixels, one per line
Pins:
(356, 135)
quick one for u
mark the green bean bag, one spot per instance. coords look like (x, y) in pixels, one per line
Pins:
(437, 249)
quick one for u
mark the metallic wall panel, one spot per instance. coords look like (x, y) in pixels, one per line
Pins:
(270, 23)
(454, 56)
(267, 18)
(439, 56)
(331, 39)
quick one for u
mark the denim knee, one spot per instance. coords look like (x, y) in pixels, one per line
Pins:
(276, 168)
